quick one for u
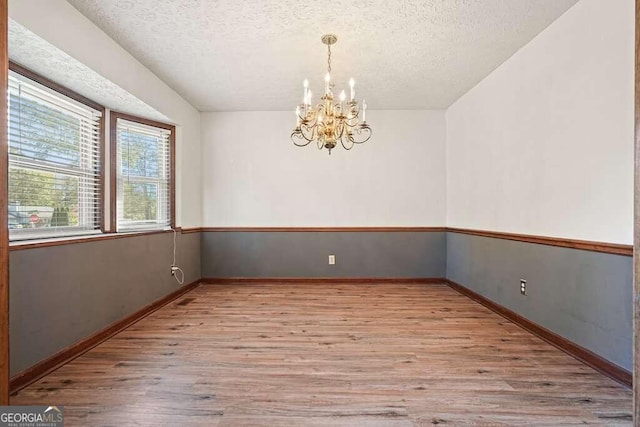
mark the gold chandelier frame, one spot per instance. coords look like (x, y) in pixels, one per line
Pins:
(329, 122)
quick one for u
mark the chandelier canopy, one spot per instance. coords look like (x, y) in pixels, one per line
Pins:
(329, 122)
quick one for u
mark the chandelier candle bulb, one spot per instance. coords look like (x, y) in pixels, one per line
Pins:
(364, 111)
(330, 121)
(305, 85)
(307, 103)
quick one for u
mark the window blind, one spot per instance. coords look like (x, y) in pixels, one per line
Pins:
(54, 163)
(143, 169)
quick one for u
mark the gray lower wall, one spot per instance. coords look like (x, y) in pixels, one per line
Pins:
(583, 296)
(305, 254)
(62, 294)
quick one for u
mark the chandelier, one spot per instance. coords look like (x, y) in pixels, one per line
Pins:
(329, 122)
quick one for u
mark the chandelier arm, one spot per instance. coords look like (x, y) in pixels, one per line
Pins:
(341, 129)
(295, 137)
(362, 129)
(313, 124)
(354, 125)
(302, 134)
(315, 108)
(321, 109)
(304, 131)
(348, 138)
(355, 118)
(314, 112)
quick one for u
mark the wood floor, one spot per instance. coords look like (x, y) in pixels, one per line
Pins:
(328, 355)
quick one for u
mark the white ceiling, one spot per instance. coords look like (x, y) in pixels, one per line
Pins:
(36, 54)
(228, 55)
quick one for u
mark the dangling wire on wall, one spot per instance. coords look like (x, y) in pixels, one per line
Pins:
(176, 271)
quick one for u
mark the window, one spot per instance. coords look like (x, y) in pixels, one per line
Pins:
(55, 160)
(143, 172)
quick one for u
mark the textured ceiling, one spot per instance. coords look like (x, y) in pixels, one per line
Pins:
(226, 55)
(36, 54)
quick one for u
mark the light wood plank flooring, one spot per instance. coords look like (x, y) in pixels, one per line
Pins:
(328, 355)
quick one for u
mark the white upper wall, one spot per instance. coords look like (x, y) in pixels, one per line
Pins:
(253, 175)
(544, 145)
(57, 22)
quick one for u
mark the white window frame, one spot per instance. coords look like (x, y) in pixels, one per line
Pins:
(90, 170)
(165, 183)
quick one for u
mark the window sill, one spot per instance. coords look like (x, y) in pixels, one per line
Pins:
(60, 241)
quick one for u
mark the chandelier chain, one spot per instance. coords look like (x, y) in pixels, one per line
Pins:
(329, 58)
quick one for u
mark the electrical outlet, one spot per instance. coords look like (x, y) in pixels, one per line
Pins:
(332, 259)
(523, 286)
(173, 270)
